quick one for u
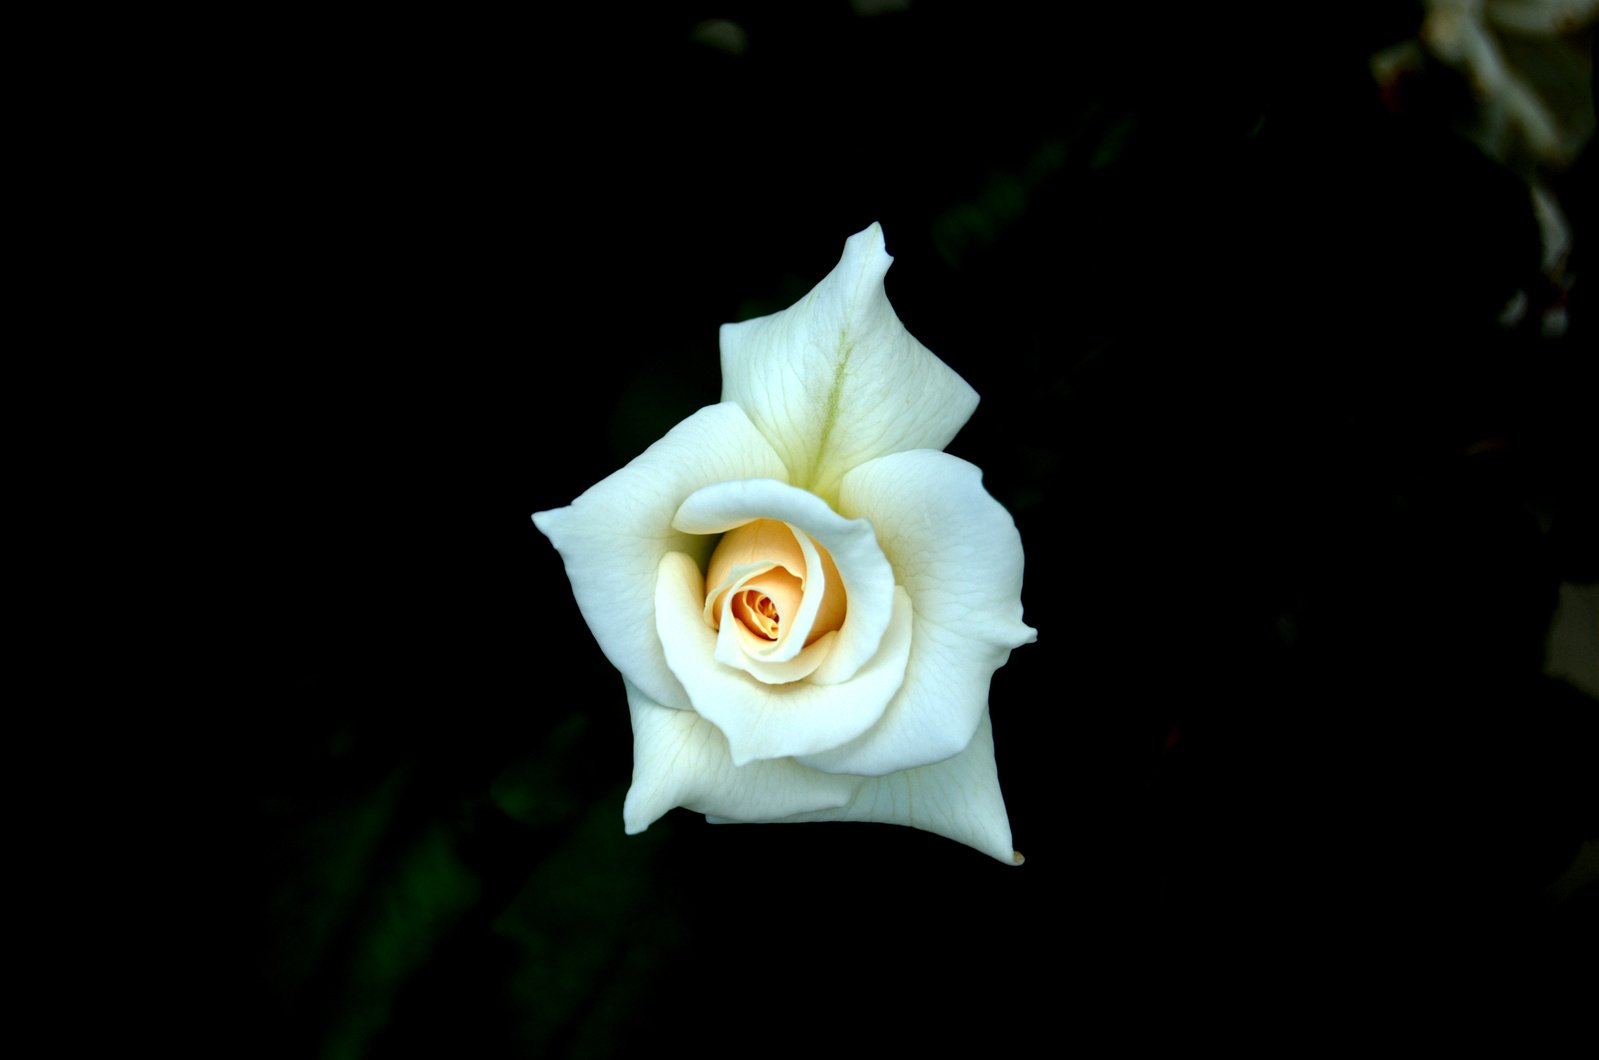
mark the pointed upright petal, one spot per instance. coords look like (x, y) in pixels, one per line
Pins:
(836, 380)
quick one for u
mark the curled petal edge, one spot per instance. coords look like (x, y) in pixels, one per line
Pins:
(956, 552)
(868, 579)
(612, 537)
(680, 759)
(762, 721)
(958, 798)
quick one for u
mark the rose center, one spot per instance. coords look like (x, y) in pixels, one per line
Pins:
(763, 574)
(758, 613)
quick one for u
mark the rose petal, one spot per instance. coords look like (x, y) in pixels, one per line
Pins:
(612, 538)
(836, 380)
(680, 759)
(778, 560)
(764, 542)
(781, 592)
(764, 721)
(807, 662)
(956, 552)
(734, 646)
(868, 578)
(958, 798)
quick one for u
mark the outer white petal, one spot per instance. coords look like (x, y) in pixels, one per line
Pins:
(680, 759)
(763, 721)
(958, 798)
(613, 536)
(955, 550)
(836, 380)
(865, 571)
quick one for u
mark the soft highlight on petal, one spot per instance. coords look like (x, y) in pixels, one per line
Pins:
(612, 538)
(958, 798)
(956, 551)
(738, 647)
(764, 721)
(779, 588)
(680, 759)
(836, 380)
(762, 541)
(860, 564)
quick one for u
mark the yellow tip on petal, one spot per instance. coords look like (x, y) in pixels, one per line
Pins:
(1016, 857)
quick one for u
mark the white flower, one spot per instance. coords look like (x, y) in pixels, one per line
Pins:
(805, 596)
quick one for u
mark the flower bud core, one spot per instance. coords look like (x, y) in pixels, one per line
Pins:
(761, 570)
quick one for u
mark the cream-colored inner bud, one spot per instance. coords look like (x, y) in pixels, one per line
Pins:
(763, 566)
(758, 613)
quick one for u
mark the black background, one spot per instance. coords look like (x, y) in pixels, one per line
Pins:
(1295, 506)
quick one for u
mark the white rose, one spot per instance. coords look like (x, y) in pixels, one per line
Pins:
(805, 596)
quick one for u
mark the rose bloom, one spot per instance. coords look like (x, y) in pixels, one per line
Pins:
(806, 598)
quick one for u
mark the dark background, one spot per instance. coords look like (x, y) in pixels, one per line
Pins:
(1296, 509)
